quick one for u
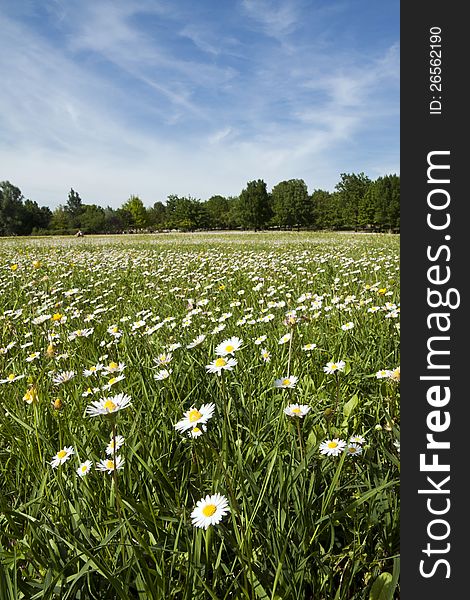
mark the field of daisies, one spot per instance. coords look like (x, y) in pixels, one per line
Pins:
(200, 416)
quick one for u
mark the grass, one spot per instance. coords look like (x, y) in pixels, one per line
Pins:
(302, 525)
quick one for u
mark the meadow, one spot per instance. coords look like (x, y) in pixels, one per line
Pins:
(189, 416)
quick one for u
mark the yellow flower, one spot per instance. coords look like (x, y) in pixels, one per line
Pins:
(31, 395)
(13, 267)
(36, 264)
(57, 404)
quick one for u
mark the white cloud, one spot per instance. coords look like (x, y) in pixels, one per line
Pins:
(173, 124)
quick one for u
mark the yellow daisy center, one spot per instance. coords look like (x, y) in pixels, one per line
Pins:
(61, 454)
(296, 411)
(84, 468)
(352, 449)
(115, 330)
(112, 380)
(209, 510)
(220, 362)
(229, 348)
(11, 376)
(109, 405)
(332, 444)
(113, 365)
(285, 381)
(110, 464)
(196, 430)
(194, 415)
(334, 366)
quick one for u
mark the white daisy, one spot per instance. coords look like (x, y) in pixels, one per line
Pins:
(209, 511)
(383, 374)
(106, 406)
(112, 382)
(198, 340)
(114, 367)
(357, 439)
(84, 468)
(285, 338)
(286, 382)
(62, 456)
(173, 347)
(195, 432)
(228, 346)
(259, 340)
(297, 410)
(332, 367)
(107, 464)
(11, 378)
(347, 326)
(112, 448)
(194, 417)
(265, 355)
(93, 370)
(308, 347)
(63, 377)
(163, 359)
(354, 449)
(220, 364)
(163, 374)
(332, 447)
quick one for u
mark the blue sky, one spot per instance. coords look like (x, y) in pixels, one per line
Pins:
(159, 97)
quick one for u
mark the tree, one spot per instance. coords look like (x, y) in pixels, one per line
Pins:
(185, 213)
(60, 220)
(254, 210)
(74, 208)
(135, 207)
(156, 216)
(352, 188)
(113, 222)
(218, 212)
(291, 204)
(93, 219)
(379, 209)
(11, 209)
(35, 217)
(326, 210)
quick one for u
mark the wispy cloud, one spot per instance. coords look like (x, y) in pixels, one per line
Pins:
(150, 97)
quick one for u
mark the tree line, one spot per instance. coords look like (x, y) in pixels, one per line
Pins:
(357, 203)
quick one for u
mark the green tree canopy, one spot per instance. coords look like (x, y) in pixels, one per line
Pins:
(135, 207)
(74, 208)
(11, 209)
(292, 206)
(351, 189)
(254, 209)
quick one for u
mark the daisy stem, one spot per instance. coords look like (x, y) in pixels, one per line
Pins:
(337, 391)
(116, 489)
(290, 353)
(36, 427)
(300, 439)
